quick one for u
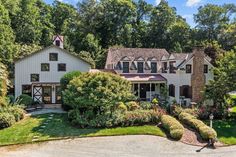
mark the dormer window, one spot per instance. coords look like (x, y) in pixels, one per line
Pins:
(164, 67)
(172, 67)
(153, 67)
(125, 67)
(140, 67)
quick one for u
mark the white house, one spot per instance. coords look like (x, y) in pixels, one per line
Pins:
(39, 73)
(150, 70)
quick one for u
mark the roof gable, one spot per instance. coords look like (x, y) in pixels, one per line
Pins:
(49, 47)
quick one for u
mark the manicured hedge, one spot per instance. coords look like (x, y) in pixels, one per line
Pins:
(173, 126)
(140, 117)
(205, 131)
(25, 100)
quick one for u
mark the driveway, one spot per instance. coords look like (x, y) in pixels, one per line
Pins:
(116, 146)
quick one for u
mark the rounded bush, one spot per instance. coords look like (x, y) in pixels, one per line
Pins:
(6, 120)
(173, 126)
(121, 106)
(25, 100)
(17, 112)
(145, 105)
(132, 105)
(67, 78)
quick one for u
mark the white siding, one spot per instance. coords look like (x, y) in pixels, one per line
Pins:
(32, 65)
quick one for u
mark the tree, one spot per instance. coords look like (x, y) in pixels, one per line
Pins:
(7, 37)
(211, 18)
(87, 56)
(161, 20)
(224, 81)
(26, 23)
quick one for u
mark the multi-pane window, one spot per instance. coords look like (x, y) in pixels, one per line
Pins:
(45, 67)
(205, 68)
(188, 68)
(172, 90)
(125, 67)
(140, 67)
(61, 67)
(172, 67)
(186, 91)
(26, 89)
(34, 77)
(164, 67)
(153, 67)
(53, 56)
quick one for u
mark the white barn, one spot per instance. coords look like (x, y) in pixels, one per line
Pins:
(39, 74)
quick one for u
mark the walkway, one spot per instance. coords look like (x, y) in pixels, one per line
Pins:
(116, 146)
(44, 111)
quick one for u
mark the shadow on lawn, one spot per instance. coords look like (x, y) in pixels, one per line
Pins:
(58, 127)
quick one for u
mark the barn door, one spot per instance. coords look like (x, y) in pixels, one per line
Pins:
(37, 93)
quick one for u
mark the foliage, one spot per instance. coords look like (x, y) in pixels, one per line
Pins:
(132, 105)
(87, 56)
(145, 105)
(64, 81)
(140, 117)
(16, 110)
(155, 101)
(224, 80)
(93, 98)
(6, 120)
(205, 131)
(60, 128)
(175, 129)
(122, 107)
(25, 100)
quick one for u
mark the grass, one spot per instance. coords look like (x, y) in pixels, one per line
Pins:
(233, 109)
(59, 128)
(226, 131)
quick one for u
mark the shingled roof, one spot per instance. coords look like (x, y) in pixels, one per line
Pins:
(116, 54)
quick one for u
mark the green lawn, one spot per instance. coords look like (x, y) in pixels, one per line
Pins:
(226, 131)
(59, 127)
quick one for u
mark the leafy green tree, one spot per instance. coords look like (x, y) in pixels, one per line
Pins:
(211, 18)
(161, 20)
(26, 23)
(87, 56)
(7, 37)
(224, 80)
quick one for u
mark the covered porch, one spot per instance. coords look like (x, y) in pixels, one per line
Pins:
(146, 86)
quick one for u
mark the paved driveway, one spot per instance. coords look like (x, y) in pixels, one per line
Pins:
(117, 146)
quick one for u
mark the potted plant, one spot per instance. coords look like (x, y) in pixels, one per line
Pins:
(155, 104)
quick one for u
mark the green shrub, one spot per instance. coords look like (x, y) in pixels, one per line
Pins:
(140, 117)
(173, 126)
(132, 105)
(205, 131)
(64, 81)
(146, 105)
(17, 112)
(155, 101)
(67, 78)
(98, 94)
(6, 120)
(24, 100)
(122, 107)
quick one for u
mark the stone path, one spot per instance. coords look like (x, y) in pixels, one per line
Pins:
(115, 146)
(44, 111)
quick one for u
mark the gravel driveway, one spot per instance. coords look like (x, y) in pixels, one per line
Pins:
(116, 146)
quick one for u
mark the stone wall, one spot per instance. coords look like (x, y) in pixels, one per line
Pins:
(198, 77)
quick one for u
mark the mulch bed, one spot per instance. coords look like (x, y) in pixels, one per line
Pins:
(193, 138)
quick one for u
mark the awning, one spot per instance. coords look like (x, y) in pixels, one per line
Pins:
(144, 77)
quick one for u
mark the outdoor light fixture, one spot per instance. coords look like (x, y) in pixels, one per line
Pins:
(211, 118)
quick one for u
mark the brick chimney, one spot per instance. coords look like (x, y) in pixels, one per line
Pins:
(58, 41)
(198, 77)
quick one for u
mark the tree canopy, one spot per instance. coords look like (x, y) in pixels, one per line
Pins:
(93, 26)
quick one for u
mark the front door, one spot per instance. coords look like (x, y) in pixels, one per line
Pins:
(47, 94)
(143, 93)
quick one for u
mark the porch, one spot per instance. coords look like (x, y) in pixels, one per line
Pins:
(146, 86)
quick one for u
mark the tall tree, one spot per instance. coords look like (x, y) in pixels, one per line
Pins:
(162, 17)
(6, 37)
(211, 19)
(26, 23)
